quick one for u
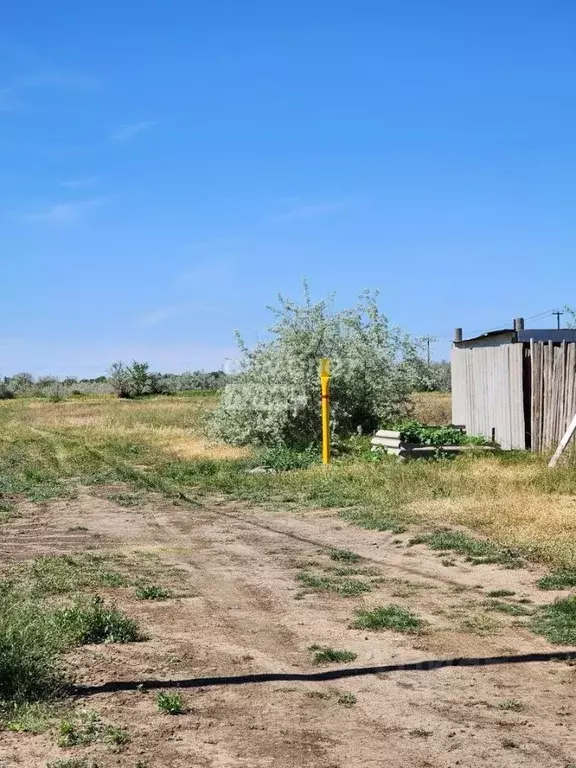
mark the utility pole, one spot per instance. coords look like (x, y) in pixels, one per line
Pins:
(558, 313)
(429, 340)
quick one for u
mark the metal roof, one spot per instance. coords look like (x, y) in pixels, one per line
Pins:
(548, 334)
(537, 334)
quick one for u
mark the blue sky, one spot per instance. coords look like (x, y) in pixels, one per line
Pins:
(168, 167)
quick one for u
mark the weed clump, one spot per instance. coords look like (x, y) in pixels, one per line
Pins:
(392, 617)
(557, 622)
(327, 655)
(170, 703)
(30, 645)
(152, 592)
(92, 621)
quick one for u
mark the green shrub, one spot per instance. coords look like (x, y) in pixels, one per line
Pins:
(423, 434)
(119, 379)
(138, 373)
(275, 396)
(30, 644)
(283, 458)
(5, 393)
(170, 703)
(91, 621)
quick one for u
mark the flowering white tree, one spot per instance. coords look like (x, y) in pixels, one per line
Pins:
(274, 398)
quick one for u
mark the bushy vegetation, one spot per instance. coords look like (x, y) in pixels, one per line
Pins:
(90, 620)
(274, 399)
(423, 434)
(170, 703)
(123, 380)
(33, 635)
(30, 646)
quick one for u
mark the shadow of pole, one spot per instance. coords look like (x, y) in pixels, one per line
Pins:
(316, 677)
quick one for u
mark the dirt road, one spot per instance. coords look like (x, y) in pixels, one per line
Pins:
(240, 610)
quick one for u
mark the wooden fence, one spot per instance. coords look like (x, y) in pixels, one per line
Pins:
(553, 392)
(487, 396)
(523, 394)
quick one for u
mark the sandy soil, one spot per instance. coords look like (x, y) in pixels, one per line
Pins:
(240, 614)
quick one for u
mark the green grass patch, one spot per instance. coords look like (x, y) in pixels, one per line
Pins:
(152, 592)
(284, 459)
(347, 587)
(344, 555)
(392, 617)
(72, 762)
(373, 520)
(8, 512)
(561, 578)
(30, 646)
(327, 655)
(86, 728)
(501, 593)
(62, 574)
(476, 551)
(29, 716)
(170, 703)
(512, 609)
(90, 620)
(557, 622)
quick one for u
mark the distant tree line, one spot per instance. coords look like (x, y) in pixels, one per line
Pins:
(121, 379)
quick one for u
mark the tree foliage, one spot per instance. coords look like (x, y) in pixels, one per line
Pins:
(275, 396)
(119, 377)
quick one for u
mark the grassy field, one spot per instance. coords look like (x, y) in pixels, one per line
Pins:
(48, 450)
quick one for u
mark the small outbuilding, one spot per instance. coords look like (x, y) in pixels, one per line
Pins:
(516, 386)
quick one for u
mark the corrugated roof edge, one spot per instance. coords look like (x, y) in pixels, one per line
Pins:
(538, 334)
(489, 334)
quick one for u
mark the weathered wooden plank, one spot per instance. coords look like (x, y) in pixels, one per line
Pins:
(535, 395)
(563, 443)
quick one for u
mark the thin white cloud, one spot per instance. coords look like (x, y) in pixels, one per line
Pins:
(9, 92)
(88, 181)
(60, 214)
(127, 132)
(311, 211)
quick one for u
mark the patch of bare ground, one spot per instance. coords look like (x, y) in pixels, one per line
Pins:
(244, 613)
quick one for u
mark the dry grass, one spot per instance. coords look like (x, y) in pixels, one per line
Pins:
(175, 425)
(544, 526)
(432, 407)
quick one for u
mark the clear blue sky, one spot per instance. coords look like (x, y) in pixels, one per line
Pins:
(167, 167)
